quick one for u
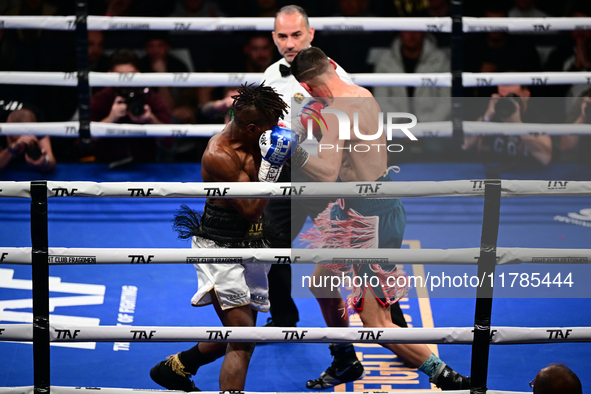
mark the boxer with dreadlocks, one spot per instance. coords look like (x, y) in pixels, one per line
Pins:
(251, 148)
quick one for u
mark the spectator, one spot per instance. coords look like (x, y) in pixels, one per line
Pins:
(405, 8)
(495, 51)
(574, 146)
(115, 105)
(203, 46)
(440, 9)
(512, 104)
(414, 52)
(556, 379)
(258, 52)
(217, 111)
(117, 38)
(573, 55)
(158, 58)
(31, 7)
(196, 9)
(8, 60)
(265, 8)
(526, 9)
(36, 152)
(352, 47)
(97, 61)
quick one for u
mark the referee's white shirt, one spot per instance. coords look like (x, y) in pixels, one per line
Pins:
(289, 87)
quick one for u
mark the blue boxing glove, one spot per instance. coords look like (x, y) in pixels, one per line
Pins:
(276, 146)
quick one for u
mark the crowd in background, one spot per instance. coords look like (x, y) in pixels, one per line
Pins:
(355, 51)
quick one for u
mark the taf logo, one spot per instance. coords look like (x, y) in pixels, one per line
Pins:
(557, 185)
(370, 335)
(368, 188)
(558, 334)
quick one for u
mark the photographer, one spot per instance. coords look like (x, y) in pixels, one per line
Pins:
(575, 147)
(127, 105)
(512, 104)
(36, 152)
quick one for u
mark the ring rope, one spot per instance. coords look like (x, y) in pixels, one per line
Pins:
(461, 188)
(423, 129)
(438, 25)
(235, 79)
(442, 335)
(463, 256)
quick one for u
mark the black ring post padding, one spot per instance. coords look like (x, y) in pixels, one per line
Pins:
(484, 294)
(40, 278)
(83, 86)
(457, 66)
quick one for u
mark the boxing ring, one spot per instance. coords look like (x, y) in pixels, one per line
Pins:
(43, 257)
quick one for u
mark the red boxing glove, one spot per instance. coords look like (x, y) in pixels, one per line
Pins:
(311, 113)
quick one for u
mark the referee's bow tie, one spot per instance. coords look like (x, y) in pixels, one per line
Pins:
(284, 70)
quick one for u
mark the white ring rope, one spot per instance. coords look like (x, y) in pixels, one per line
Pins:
(439, 25)
(422, 129)
(236, 79)
(462, 188)
(443, 335)
(464, 256)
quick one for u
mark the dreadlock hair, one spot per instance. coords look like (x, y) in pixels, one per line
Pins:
(309, 64)
(258, 104)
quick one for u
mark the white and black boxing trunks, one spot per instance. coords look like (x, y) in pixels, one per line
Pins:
(234, 284)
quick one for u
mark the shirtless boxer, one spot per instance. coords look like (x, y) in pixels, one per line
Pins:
(385, 219)
(240, 153)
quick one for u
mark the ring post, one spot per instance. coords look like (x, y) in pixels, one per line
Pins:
(457, 64)
(40, 278)
(83, 85)
(484, 294)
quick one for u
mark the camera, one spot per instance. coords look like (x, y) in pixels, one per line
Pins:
(506, 106)
(33, 151)
(135, 98)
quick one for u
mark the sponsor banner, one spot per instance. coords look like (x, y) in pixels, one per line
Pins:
(179, 24)
(467, 256)
(172, 79)
(383, 79)
(263, 190)
(53, 129)
(15, 189)
(19, 390)
(434, 25)
(15, 255)
(16, 332)
(234, 79)
(539, 25)
(162, 189)
(461, 335)
(530, 79)
(62, 256)
(38, 22)
(39, 78)
(545, 188)
(421, 130)
(540, 335)
(98, 129)
(62, 333)
(509, 129)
